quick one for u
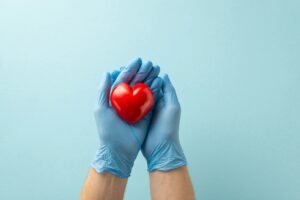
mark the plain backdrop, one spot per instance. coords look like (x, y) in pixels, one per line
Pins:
(235, 65)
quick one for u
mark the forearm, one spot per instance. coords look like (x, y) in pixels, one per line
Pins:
(174, 184)
(103, 187)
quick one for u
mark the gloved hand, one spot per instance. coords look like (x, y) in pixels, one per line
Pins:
(119, 141)
(162, 148)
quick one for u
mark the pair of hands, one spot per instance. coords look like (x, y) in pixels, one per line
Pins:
(156, 135)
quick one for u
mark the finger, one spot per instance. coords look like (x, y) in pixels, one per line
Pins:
(114, 74)
(128, 72)
(142, 73)
(104, 90)
(152, 75)
(159, 95)
(169, 90)
(156, 87)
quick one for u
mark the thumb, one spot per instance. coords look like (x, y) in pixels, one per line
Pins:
(104, 90)
(168, 89)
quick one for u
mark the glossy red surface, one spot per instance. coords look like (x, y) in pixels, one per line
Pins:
(132, 103)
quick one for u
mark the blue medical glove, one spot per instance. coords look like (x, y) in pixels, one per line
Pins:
(120, 142)
(162, 148)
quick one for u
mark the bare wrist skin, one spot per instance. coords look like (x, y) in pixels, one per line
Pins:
(103, 186)
(174, 185)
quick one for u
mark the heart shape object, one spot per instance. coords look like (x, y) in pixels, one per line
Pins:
(132, 103)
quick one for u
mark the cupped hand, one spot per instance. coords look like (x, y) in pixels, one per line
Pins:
(161, 147)
(120, 142)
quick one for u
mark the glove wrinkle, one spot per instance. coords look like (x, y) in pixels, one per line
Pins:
(107, 160)
(166, 156)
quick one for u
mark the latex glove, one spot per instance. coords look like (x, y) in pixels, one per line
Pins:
(119, 141)
(162, 148)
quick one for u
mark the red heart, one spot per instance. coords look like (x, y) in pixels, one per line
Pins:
(132, 103)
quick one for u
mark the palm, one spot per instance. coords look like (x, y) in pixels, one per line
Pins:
(133, 135)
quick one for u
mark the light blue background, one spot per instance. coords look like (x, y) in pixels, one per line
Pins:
(235, 65)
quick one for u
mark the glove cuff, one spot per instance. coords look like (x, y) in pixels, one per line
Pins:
(107, 160)
(167, 156)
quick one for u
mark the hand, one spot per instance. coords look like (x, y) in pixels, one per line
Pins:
(162, 148)
(119, 141)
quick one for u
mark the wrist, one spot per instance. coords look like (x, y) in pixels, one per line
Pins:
(109, 160)
(166, 156)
